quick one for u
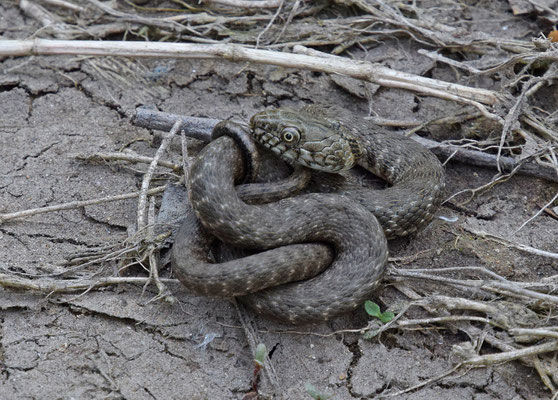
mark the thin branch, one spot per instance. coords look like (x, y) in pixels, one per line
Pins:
(510, 119)
(498, 358)
(127, 157)
(253, 339)
(336, 65)
(270, 23)
(164, 24)
(509, 288)
(458, 64)
(37, 12)
(518, 246)
(50, 286)
(185, 161)
(76, 204)
(164, 293)
(539, 332)
(141, 221)
(536, 214)
(423, 384)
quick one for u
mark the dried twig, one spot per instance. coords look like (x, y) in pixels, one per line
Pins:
(49, 286)
(127, 157)
(141, 221)
(536, 214)
(270, 23)
(550, 173)
(185, 163)
(498, 358)
(45, 18)
(507, 243)
(37, 12)
(164, 24)
(423, 384)
(526, 166)
(164, 293)
(499, 287)
(76, 204)
(361, 70)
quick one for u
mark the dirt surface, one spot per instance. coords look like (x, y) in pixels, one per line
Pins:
(118, 343)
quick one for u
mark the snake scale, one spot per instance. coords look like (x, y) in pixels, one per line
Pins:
(292, 280)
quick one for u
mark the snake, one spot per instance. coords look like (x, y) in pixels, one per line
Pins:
(319, 255)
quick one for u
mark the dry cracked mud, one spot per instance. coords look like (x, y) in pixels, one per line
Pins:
(114, 342)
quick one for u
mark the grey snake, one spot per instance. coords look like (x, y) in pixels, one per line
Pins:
(296, 278)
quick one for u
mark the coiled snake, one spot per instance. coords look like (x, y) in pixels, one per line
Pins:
(295, 228)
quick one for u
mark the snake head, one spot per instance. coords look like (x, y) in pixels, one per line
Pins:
(305, 138)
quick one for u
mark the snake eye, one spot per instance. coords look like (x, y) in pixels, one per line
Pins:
(290, 135)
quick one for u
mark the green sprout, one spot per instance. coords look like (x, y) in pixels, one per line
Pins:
(311, 390)
(373, 310)
(259, 356)
(259, 359)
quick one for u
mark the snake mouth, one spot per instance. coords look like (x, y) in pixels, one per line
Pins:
(303, 139)
(263, 136)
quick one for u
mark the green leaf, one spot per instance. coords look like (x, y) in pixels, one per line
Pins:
(369, 335)
(372, 308)
(386, 317)
(311, 390)
(143, 31)
(261, 351)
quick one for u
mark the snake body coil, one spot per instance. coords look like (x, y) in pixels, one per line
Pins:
(291, 227)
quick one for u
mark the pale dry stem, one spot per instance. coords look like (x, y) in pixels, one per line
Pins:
(135, 158)
(142, 201)
(163, 292)
(508, 243)
(338, 65)
(63, 4)
(146, 225)
(76, 204)
(49, 286)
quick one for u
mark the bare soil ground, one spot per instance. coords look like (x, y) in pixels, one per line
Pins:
(117, 342)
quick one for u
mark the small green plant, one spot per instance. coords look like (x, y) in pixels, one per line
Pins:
(373, 310)
(259, 359)
(311, 390)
